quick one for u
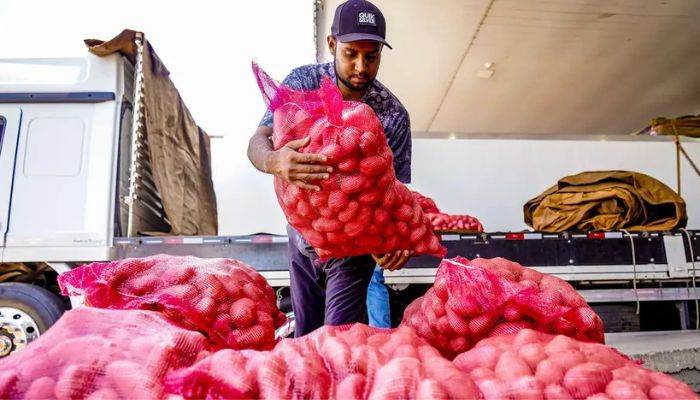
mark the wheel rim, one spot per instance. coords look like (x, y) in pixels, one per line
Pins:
(17, 329)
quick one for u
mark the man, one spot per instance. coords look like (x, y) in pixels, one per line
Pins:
(334, 292)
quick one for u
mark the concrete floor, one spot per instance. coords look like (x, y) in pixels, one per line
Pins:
(676, 353)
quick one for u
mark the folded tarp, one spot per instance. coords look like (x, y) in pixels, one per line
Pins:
(606, 200)
(688, 125)
(179, 149)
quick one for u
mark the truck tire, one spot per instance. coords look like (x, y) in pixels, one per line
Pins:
(26, 312)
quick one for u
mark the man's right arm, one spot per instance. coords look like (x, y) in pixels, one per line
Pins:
(286, 163)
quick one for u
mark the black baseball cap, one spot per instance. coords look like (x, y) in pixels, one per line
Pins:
(359, 20)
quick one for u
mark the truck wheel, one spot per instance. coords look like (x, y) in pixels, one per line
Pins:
(26, 312)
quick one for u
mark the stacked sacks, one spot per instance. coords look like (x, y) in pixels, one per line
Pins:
(441, 222)
(100, 354)
(347, 362)
(534, 365)
(451, 222)
(225, 299)
(474, 300)
(361, 208)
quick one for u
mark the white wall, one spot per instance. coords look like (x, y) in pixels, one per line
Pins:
(207, 46)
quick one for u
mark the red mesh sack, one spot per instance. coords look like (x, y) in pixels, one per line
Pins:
(442, 222)
(100, 354)
(346, 362)
(454, 222)
(362, 208)
(426, 203)
(225, 299)
(487, 297)
(535, 365)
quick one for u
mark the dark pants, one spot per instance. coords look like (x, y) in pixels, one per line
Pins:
(328, 293)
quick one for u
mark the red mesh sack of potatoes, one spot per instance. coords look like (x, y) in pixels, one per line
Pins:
(361, 208)
(471, 300)
(100, 354)
(454, 222)
(346, 362)
(535, 365)
(225, 299)
(443, 222)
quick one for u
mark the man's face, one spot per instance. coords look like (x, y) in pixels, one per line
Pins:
(356, 63)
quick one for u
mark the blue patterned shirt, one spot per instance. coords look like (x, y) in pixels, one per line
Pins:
(391, 113)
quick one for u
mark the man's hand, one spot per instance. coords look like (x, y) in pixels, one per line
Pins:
(393, 261)
(297, 168)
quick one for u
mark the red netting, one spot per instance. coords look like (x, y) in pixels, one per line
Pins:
(225, 299)
(471, 300)
(348, 362)
(534, 365)
(100, 354)
(362, 208)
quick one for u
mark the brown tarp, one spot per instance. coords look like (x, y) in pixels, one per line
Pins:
(606, 200)
(179, 149)
(688, 125)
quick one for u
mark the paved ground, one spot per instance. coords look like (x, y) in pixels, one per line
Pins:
(676, 353)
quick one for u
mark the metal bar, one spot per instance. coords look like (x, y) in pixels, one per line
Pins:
(137, 114)
(645, 294)
(145, 206)
(144, 179)
(64, 97)
(144, 200)
(586, 269)
(147, 196)
(611, 276)
(145, 173)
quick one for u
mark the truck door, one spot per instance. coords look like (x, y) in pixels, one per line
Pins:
(9, 131)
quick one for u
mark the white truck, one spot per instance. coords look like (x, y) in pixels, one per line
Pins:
(75, 178)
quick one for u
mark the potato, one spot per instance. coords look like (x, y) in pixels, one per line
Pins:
(556, 392)
(567, 359)
(479, 357)
(510, 366)
(337, 354)
(8, 381)
(621, 390)
(352, 387)
(479, 326)
(560, 343)
(75, 382)
(457, 323)
(525, 388)
(493, 389)
(144, 284)
(327, 225)
(549, 373)
(349, 212)
(587, 379)
(532, 354)
(466, 306)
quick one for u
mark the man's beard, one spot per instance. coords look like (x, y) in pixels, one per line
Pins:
(349, 85)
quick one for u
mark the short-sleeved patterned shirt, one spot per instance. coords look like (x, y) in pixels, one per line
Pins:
(391, 113)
